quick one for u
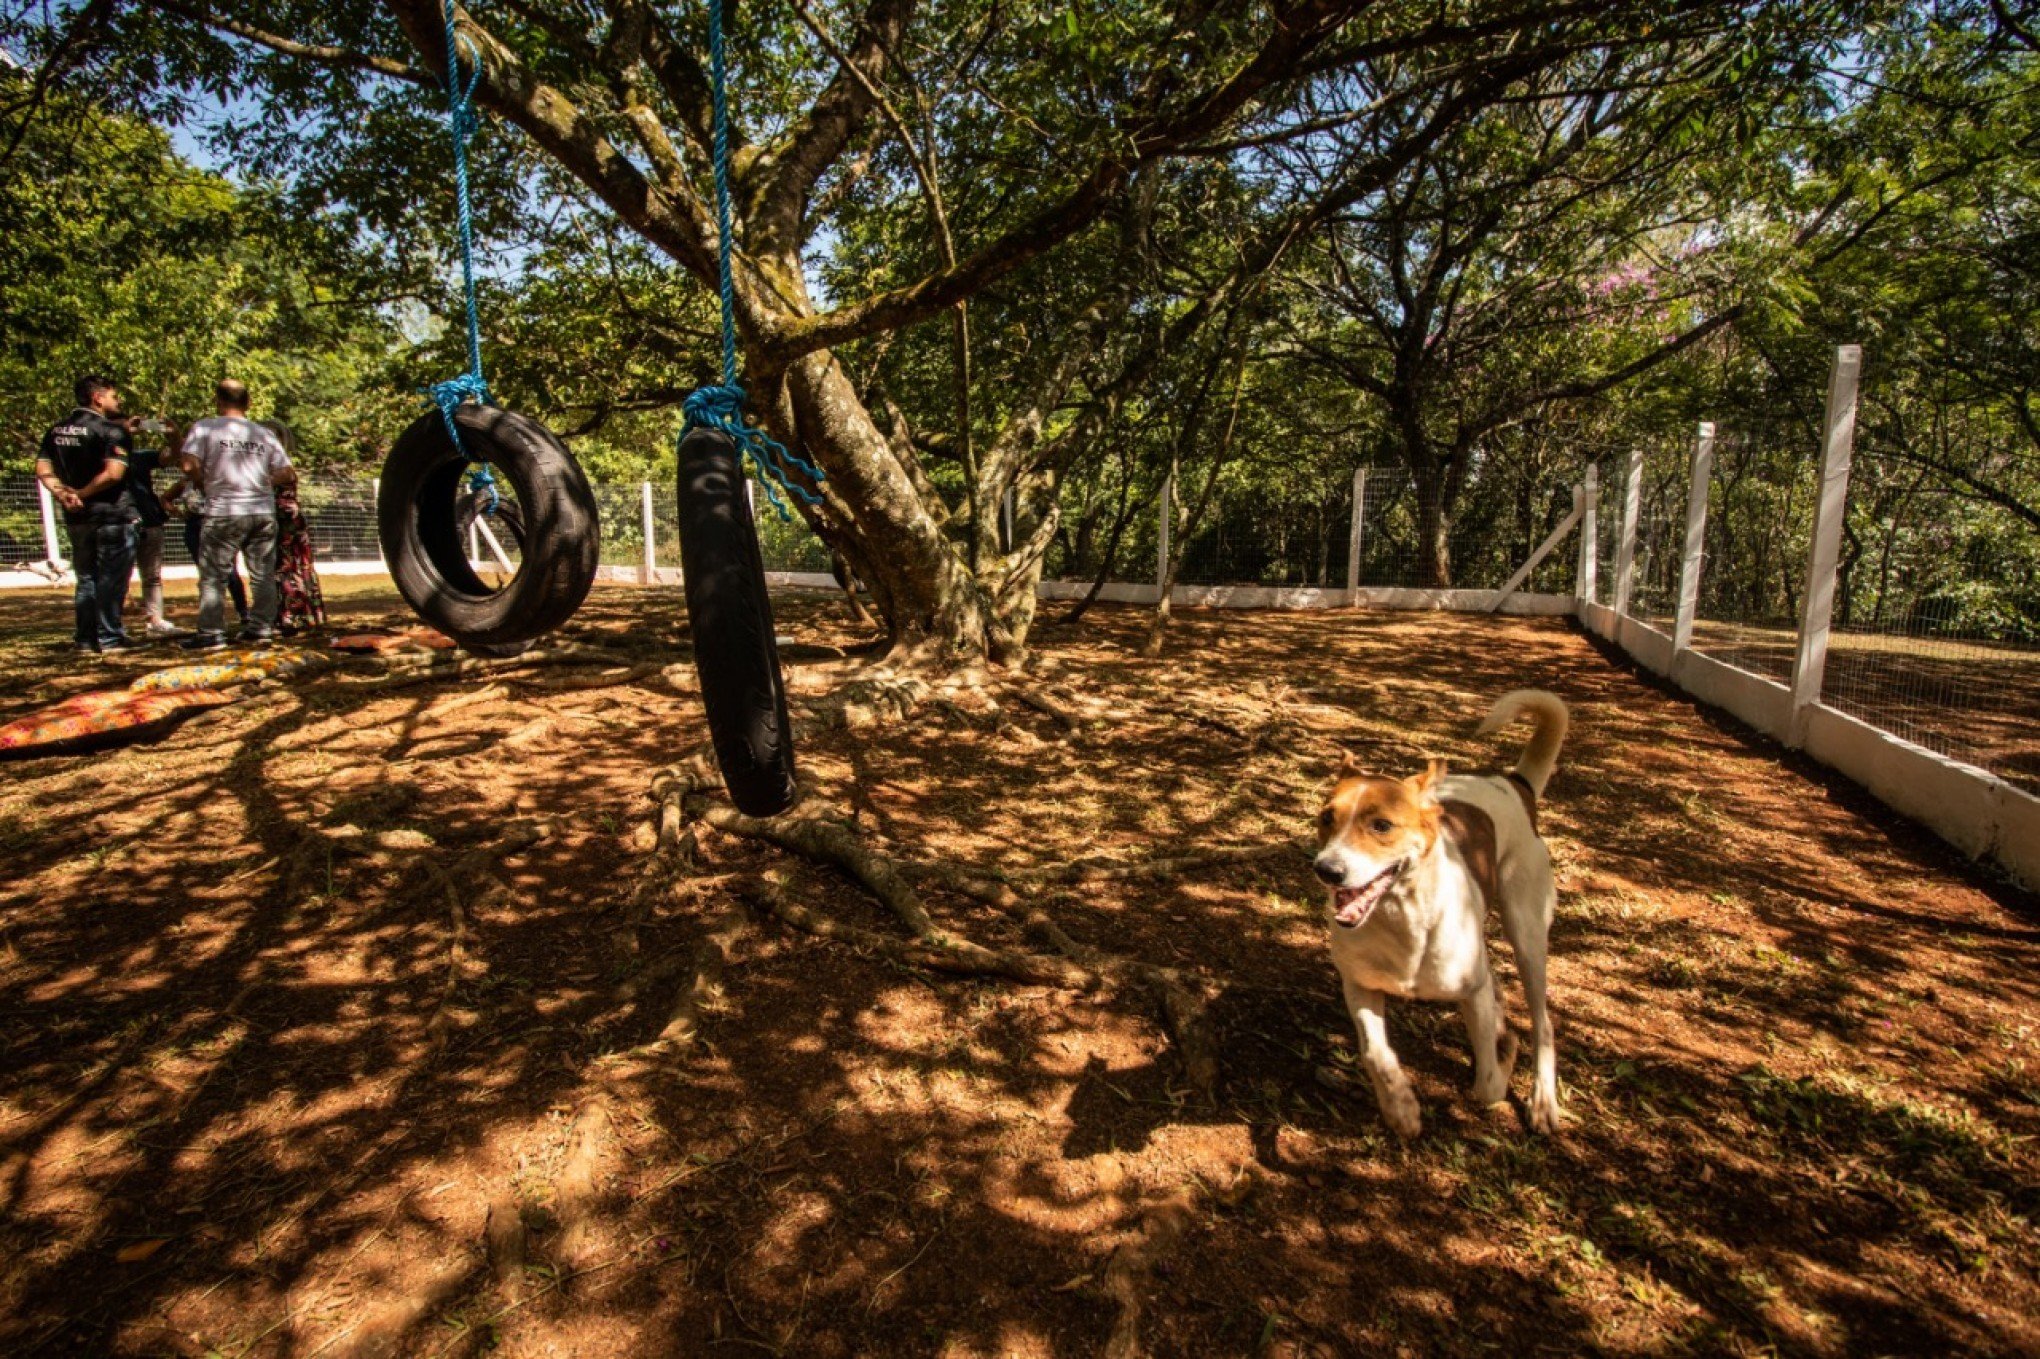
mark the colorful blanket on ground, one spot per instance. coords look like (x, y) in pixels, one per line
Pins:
(91, 721)
(230, 668)
(412, 639)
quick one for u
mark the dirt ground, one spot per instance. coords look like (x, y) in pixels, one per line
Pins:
(335, 1028)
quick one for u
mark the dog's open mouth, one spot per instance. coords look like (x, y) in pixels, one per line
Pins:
(1351, 905)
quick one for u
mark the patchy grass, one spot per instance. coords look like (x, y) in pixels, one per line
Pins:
(268, 1090)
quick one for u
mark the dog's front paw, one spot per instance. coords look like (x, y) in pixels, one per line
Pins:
(1544, 1111)
(1399, 1107)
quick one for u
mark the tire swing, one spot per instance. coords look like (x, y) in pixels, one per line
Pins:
(729, 612)
(422, 513)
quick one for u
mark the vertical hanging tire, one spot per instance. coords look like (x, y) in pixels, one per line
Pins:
(424, 537)
(729, 616)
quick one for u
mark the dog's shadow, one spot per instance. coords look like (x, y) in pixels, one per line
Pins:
(1277, 1072)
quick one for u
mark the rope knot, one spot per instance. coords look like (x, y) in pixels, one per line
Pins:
(722, 408)
(449, 395)
(481, 480)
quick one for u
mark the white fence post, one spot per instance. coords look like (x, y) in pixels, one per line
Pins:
(651, 561)
(51, 543)
(375, 513)
(1625, 550)
(1586, 581)
(1817, 606)
(1696, 537)
(1353, 543)
(1168, 526)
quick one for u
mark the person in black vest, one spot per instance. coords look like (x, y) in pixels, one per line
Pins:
(83, 462)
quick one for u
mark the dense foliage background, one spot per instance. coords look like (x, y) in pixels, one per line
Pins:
(1674, 218)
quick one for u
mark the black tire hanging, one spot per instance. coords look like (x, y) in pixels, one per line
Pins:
(423, 533)
(729, 616)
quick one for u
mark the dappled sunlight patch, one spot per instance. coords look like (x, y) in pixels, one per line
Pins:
(1795, 1039)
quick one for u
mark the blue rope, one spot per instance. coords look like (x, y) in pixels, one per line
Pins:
(462, 121)
(722, 407)
(479, 479)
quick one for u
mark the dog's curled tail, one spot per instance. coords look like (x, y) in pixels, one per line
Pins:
(1548, 711)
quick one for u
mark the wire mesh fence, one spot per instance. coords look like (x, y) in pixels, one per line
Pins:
(1760, 508)
(1935, 632)
(21, 522)
(1936, 603)
(1295, 540)
(1660, 539)
(1305, 538)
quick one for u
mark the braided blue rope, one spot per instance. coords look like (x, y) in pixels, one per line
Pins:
(722, 407)
(462, 121)
(479, 479)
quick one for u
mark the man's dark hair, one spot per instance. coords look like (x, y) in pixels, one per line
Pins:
(89, 386)
(232, 393)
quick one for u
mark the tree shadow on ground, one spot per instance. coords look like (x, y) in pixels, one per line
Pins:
(302, 1023)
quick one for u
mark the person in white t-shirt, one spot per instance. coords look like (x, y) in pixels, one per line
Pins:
(238, 466)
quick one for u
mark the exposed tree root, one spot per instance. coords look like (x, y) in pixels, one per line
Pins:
(1126, 1276)
(421, 860)
(1070, 965)
(384, 1329)
(865, 702)
(952, 955)
(1071, 724)
(442, 666)
(504, 1236)
(575, 1188)
(608, 679)
(441, 1023)
(1092, 870)
(704, 985)
(835, 843)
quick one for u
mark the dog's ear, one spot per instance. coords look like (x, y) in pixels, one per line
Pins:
(1349, 766)
(1425, 785)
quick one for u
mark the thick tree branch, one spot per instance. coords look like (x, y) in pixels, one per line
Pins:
(320, 54)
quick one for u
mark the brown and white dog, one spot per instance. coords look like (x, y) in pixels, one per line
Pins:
(1413, 867)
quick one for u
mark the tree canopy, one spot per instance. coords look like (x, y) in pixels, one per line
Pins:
(1002, 267)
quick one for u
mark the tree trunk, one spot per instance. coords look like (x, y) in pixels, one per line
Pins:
(1124, 516)
(934, 610)
(1434, 525)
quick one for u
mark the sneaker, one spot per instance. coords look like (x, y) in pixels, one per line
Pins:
(204, 642)
(120, 646)
(162, 628)
(85, 648)
(257, 636)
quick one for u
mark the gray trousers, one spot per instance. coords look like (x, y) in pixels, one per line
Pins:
(254, 537)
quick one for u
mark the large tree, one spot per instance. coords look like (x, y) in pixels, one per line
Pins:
(1017, 132)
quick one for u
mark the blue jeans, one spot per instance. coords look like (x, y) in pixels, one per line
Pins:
(254, 537)
(194, 526)
(102, 558)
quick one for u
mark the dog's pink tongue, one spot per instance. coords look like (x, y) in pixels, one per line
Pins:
(1354, 904)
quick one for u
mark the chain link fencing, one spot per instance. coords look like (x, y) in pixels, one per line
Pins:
(1937, 618)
